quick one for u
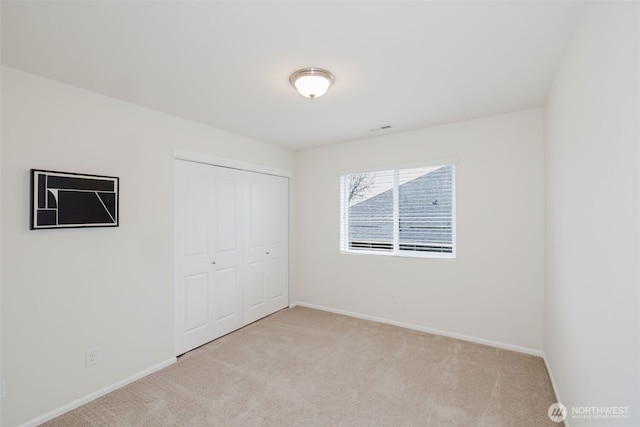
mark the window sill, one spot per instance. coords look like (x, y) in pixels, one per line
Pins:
(404, 254)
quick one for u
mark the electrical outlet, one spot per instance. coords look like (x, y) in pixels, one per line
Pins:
(91, 357)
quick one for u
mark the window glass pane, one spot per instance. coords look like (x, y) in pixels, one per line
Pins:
(370, 199)
(403, 212)
(426, 209)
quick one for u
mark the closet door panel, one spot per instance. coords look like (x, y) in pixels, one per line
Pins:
(266, 245)
(225, 239)
(254, 285)
(277, 260)
(276, 279)
(193, 323)
(196, 293)
(227, 297)
(208, 253)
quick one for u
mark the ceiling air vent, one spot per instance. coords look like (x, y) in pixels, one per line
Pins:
(385, 127)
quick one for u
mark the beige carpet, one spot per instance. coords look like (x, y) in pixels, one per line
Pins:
(303, 367)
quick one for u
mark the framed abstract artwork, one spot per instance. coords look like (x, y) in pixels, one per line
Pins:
(70, 200)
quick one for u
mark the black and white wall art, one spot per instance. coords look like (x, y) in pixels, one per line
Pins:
(64, 200)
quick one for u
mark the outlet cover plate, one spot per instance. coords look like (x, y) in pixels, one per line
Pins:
(91, 357)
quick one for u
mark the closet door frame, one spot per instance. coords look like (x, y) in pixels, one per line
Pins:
(192, 156)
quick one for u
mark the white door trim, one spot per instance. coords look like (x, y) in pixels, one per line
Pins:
(192, 156)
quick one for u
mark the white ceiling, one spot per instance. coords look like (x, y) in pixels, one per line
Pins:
(227, 63)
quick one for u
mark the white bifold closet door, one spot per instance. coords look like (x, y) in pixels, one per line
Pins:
(231, 250)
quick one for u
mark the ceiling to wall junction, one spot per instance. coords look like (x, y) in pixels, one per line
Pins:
(226, 64)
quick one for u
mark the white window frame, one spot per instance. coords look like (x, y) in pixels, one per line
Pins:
(344, 213)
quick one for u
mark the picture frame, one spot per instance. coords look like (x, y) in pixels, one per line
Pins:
(73, 200)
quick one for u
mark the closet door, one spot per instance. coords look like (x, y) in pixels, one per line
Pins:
(208, 253)
(266, 285)
(231, 250)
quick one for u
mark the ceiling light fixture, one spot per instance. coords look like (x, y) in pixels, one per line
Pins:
(311, 82)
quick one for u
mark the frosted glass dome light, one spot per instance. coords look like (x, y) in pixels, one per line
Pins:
(311, 82)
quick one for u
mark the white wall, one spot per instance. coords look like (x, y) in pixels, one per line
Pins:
(494, 290)
(1, 204)
(64, 291)
(592, 192)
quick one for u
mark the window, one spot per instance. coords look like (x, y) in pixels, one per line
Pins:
(408, 212)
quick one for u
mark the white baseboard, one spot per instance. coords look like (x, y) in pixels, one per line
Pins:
(553, 385)
(483, 341)
(86, 399)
